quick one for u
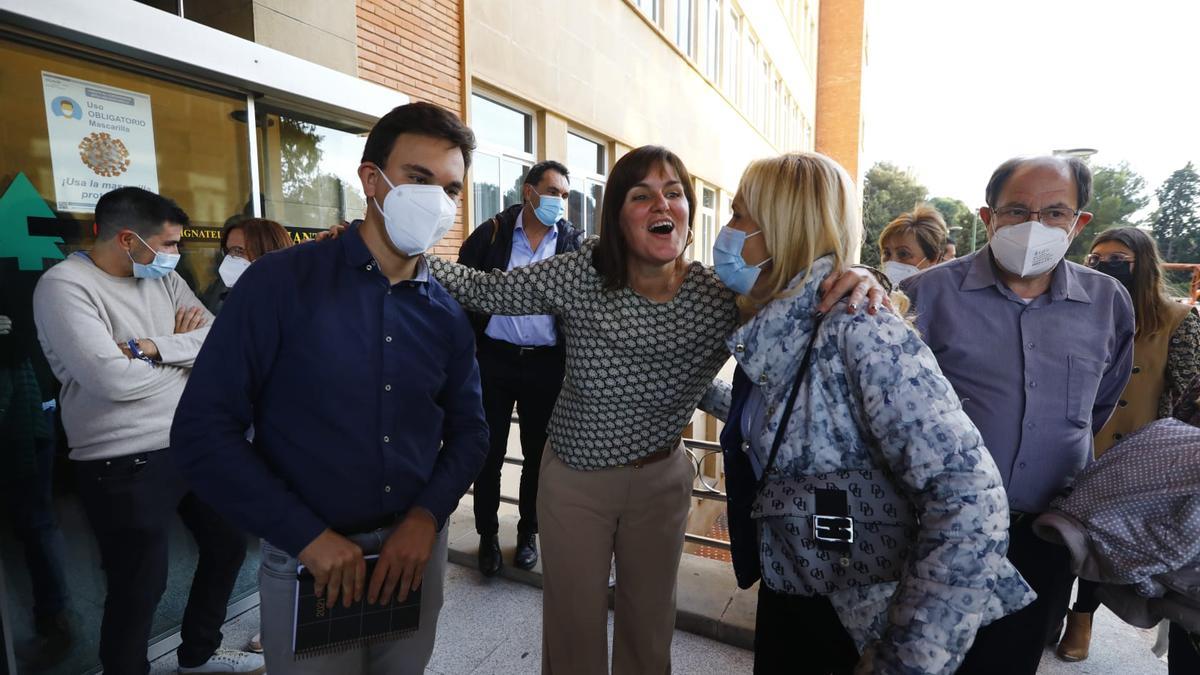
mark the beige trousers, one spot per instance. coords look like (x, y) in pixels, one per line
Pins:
(584, 517)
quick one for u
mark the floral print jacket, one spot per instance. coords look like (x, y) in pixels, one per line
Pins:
(875, 389)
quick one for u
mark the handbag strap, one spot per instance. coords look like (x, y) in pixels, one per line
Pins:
(805, 363)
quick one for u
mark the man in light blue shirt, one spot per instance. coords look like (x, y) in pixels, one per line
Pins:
(1039, 350)
(521, 358)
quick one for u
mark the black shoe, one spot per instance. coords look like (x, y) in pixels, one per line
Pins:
(526, 555)
(51, 646)
(489, 555)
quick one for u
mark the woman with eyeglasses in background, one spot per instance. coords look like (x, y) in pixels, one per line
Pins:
(1166, 358)
(243, 240)
(913, 242)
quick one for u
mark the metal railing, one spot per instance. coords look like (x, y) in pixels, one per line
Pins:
(704, 486)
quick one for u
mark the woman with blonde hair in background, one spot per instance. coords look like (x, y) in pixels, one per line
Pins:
(913, 242)
(873, 414)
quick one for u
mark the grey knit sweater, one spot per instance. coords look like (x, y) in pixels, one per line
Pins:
(636, 369)
(111, 405)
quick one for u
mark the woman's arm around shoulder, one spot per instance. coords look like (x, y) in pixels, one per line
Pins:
(541, 288)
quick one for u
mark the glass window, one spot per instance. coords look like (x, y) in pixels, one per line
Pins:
(588, 163)
(184, 143)
(650, 7)
(585, 154)
(496, 183)
(583, 206)
(733, 42)
(505, 153)
(499, 125)
(171, 6)
(702, 250)
(712, 39)
(309, 173)
(683, 25)
(748, 89)
(235, 17)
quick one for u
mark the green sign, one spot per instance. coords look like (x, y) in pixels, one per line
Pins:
(18, 204)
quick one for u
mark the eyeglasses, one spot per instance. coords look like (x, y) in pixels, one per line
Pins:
(236, 251)
(1051, 215)
(1093, 260)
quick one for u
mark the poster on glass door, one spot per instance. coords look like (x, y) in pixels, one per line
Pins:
(101, 138)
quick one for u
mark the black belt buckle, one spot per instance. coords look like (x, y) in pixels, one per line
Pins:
(833, 529)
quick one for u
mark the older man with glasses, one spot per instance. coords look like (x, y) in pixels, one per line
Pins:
(1038, 349)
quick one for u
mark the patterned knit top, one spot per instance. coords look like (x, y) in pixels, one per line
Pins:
(636, 369)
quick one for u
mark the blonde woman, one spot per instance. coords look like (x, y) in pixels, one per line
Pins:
(871, 398)
(912, 242)
(645, 333)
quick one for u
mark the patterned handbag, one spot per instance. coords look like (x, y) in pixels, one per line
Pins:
(822, 533)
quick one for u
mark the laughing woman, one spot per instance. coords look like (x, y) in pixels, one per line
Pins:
(645, 333)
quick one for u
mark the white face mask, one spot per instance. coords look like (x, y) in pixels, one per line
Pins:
(1029, 249)
(416, 216)
(898, 271)
(231, 269)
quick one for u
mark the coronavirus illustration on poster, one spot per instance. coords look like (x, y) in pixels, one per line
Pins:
(101, 138)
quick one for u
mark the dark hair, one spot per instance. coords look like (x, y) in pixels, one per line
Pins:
(1079, 169)
(535, 173)
(610, 259)
(1149, 295)
(132, 208)
(262, 236)
(421, 118)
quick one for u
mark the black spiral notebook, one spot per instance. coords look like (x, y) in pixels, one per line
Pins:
(322, 629)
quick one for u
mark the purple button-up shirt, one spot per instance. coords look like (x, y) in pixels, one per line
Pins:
(1039, 379)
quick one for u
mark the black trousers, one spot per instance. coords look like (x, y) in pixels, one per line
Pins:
(798, 634)
(1086, 600)
(130, 502)
(1014, 644)
(1183, 654)
(530, 380)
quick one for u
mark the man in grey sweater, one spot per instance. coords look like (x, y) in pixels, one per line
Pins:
(120, 330)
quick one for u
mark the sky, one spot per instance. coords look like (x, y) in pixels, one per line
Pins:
(955, 87)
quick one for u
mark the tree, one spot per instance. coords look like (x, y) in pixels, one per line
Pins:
(1118, 192)
(888, 191)
(1176, 223)
(963, 223)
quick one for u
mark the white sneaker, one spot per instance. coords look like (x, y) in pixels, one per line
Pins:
(231, 661)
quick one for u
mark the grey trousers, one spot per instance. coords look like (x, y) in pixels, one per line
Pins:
(277, 597)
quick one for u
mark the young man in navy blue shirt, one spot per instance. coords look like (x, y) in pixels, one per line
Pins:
(356, 371)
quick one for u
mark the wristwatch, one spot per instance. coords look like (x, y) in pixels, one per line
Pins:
(137, 352)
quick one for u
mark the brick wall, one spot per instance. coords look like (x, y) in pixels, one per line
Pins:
(839, 80)
(415, 46)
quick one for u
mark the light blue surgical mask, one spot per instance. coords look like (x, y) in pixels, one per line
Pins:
(162, 265)
(732, 269)
(550, 209)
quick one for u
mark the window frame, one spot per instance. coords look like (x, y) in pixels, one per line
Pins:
(500, 152)
(582, 181)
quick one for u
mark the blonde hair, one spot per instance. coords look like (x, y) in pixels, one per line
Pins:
(807, 207)
(927, 225)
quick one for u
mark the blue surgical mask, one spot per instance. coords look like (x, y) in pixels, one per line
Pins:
(162, 265)
(550, 209)
(732, 269)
